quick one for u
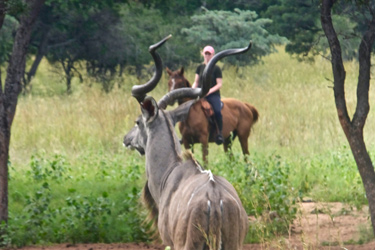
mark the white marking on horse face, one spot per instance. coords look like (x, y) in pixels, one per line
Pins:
(173, 84)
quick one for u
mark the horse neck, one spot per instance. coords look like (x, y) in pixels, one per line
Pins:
(163, 152)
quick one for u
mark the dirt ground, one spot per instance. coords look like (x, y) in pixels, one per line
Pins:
(319, 226)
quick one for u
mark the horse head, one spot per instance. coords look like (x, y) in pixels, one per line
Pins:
(177, 79)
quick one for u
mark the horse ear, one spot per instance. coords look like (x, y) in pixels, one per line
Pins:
(182, 71)
(168, 71)
(150, 109)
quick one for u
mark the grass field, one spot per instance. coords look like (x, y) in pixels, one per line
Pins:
(67, 156)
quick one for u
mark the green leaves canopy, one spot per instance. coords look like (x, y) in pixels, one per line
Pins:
(226, 29)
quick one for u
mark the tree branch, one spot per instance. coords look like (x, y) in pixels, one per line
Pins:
(364, 52)
(338, 69)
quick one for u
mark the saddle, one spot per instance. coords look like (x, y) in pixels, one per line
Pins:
(207, 108)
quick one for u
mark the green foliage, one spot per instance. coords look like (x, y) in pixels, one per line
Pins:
(15, 7)
(51, 207)
(188, 7)
(265, 190)
(148, 30)
(6, 38)
(270, 184)
(297, 21)
(39, 215)
(226, 29)
(345, 28)
(333, 177)
(85, 219)
(44, 169)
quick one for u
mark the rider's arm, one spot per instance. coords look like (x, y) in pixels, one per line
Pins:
(219, 83)
(196, 81)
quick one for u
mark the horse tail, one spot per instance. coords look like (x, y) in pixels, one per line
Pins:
(153, 212)
(254, 111)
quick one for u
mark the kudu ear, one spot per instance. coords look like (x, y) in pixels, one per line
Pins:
(150, 109)
(181, 112)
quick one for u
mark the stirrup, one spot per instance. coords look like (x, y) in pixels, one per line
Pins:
(219, 139)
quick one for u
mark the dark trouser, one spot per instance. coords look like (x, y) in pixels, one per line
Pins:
(214, 100)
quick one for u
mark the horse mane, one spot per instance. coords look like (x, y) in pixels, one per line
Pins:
(153, 211)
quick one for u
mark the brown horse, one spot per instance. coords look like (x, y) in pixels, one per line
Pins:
(238, 118)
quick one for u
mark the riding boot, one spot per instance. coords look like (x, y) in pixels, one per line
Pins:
(219, 137)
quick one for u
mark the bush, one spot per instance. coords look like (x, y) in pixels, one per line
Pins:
(265, 191)
(51, 203)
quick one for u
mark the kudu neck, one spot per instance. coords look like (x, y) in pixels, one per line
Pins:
(162, 154)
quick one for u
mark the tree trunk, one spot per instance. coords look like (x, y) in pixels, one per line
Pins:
(42, 51)
(353, 129)
(9, 97)
(67, 66)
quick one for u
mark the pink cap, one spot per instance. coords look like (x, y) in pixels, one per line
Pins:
(209, 49)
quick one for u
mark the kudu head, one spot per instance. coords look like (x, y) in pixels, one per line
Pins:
(152, 120)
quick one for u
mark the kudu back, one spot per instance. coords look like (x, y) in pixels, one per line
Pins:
(193, 208)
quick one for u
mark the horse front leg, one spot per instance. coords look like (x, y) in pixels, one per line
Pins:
(205, 152)
(203, 139)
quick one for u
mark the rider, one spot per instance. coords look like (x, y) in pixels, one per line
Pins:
(213, 95)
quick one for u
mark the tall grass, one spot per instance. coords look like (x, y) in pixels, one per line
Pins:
(296, 104)
(297, 147)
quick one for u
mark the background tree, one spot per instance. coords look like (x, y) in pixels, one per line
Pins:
(298, 22)
(353, 128)
(66, 31)
(9, 94)
(187, 7)
(218, 28)
(8, 28)
(107, 37)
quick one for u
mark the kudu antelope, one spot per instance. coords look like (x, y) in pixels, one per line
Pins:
(238, 119)
(193, 208)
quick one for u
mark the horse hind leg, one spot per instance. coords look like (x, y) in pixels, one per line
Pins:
(244, 146)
